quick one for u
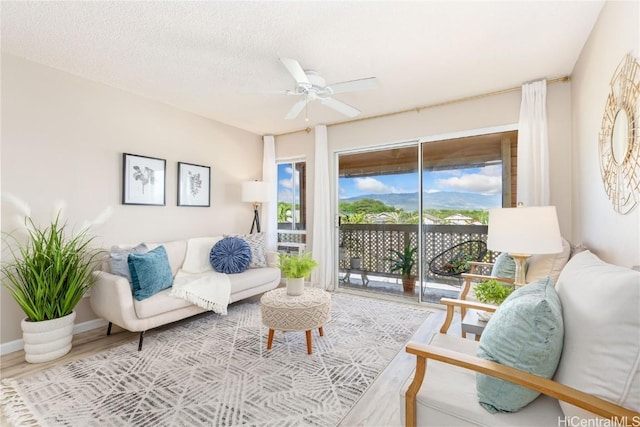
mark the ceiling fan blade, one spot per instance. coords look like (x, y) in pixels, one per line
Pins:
(340, 107)
(354, 85)
(276, 92)
(297, 108)
(295, 69)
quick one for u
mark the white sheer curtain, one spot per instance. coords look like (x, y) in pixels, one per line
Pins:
(321, 250)
(533, 146)
(270, 209)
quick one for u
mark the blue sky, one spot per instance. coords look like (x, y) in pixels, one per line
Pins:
(485, 180)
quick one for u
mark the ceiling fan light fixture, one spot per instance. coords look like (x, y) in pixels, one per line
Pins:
(314, 87)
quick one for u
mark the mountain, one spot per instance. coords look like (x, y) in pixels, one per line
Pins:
(439, 200)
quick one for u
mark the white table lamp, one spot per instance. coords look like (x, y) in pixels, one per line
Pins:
(255, 192)
(522, 232)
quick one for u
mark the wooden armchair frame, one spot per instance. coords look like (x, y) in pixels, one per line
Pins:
(617, 414)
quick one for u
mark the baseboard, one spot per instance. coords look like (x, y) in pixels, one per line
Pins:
(17, 345)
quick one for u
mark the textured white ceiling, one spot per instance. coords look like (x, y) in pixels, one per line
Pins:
(218, 58)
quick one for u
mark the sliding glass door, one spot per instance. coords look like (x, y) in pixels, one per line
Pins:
(412, 216)
(378, 211)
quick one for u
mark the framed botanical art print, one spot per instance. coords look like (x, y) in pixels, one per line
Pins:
(143, 180)
(194, 185)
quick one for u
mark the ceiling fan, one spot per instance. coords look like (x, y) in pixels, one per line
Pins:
(311, 86)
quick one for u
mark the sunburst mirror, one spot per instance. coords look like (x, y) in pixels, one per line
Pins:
(619, 144)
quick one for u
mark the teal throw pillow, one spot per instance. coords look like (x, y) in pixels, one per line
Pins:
(504, 266)
(150, 273)
(526, 332)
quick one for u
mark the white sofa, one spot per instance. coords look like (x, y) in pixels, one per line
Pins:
(598, 372)
(112, 298)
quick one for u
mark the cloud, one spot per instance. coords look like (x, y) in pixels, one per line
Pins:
(476, 183)
(432, 190)
(288, 182)
(494, 170)
(372, 185)
(285, 195)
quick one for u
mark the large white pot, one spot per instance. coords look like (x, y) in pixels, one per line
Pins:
(295, 286)
(47, 340)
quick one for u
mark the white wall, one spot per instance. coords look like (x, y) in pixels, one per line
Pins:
(614, 237)
(482, 113)
(63, 138)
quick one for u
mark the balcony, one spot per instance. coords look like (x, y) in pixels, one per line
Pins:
(364, 250)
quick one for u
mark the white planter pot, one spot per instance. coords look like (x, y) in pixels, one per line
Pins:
(47, 340)
(295, 286)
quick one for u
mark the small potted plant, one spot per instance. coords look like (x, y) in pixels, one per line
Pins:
(295, 269)
(491, 292)
(404, 261)
(458, 264)
(352, 247)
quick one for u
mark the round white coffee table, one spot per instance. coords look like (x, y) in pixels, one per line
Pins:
(287, 313)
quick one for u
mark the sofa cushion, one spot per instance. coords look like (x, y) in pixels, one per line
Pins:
(150, 272)
(159, 304)
(257, 244)
(176, 251)
(230, 255)
(601, 305)
(253, 278)
(548, 265)
(448, 396)
(198, 251)
(504, 266)
(119, 260)
(526, 333)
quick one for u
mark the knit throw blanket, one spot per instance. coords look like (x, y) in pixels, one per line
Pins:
(210, 290)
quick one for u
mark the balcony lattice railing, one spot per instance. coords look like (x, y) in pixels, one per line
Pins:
(372, 243)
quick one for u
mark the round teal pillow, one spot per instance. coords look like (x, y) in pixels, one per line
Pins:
(230, 255)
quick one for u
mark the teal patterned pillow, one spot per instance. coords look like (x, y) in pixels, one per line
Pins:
(504, 266)
(150, 273)
(526, 332)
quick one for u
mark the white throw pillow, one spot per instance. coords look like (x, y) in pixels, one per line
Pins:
(198, 251)
(601, 352)
(548, 265)
(175, 250)
(257, 244)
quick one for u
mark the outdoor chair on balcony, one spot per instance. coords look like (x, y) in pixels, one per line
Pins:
(452, 262)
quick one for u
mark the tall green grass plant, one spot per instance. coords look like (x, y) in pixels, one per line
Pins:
(51, 271)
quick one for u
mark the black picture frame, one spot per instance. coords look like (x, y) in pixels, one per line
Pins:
(194, 185)
(143, 180)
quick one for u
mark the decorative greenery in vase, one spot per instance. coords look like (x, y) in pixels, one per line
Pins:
(404, 261)
(50, 272)
(296, 266)
(492, 292)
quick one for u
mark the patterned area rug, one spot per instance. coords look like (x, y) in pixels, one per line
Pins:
(216, 371)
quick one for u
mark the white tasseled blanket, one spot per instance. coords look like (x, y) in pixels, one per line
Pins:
(210, 290)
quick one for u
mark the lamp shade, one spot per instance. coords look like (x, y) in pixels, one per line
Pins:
(531, 230)
(255, 192)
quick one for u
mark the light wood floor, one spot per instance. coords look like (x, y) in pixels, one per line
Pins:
(378, 406)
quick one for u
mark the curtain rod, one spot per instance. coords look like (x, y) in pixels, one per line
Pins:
(563, 79)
